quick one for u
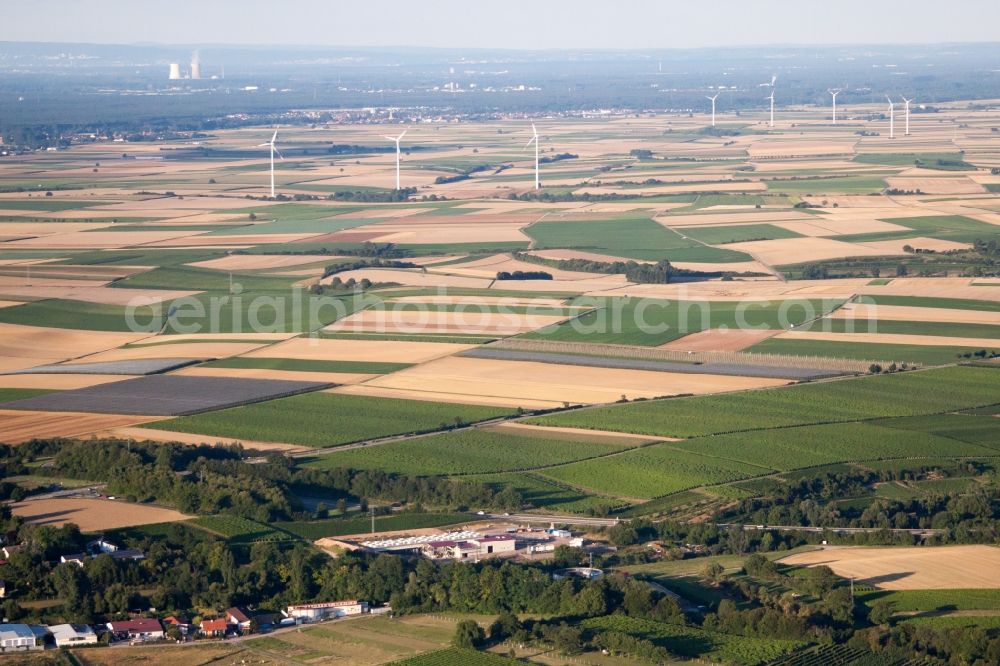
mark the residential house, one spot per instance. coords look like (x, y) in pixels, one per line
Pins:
(216, 628)
(470, 549)
(240, 618)
(140, 629)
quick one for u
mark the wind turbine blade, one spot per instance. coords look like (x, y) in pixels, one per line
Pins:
(531, 141)
(533, 130)
(404, 133)
(275, 137)
(280, 156)
(391, 138)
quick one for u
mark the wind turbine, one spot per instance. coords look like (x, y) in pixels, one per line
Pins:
(534, 138)
(397, 139)
(771, 97)
(892, 118)
(833, 93)
(907, 102)
(713, 106)
(273, 151)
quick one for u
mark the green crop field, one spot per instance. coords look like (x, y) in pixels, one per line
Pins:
(318, 529)
(809, 446)
(328, 419)
(976, 429)
(306, 365)
(651, 471)
(931, 600)
(901, 394)
(79, 315)
(897, 327)
(238, 530)
(865, 351)
(467, 452)
(630, 237)
(548, 494)
(695, 642)
(845, 185)
(651, 322)
(203, 279)
(720, 234)
(9, 394)
(956, 621)
(955, 227)
(929, 160)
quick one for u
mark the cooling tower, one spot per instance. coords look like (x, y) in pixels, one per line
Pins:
(175, 71)
(195, 66)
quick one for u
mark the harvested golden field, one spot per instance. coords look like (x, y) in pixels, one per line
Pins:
(189, 350)
(714, 339)
(920, 243)
(25, 343)
(57, 382)
(798, 250)
(926, 185)
(148, 434)
(551, 383)
(864, 311)
(381, 351)
(472, 321)
(411, 278)
(95, 294)
(267, 373)
(255, 262)
(935, 287)
(18, 426)
(93, 515)
(166, 655)
(923, 568)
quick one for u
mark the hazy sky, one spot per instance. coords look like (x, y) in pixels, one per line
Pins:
(503, 23)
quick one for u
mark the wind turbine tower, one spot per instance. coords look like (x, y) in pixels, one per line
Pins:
(892, 118)
(273, 151)
(534, 138)
(907, 108)
(771, 97)
(833, 93)
(713, 106)
(397, 139)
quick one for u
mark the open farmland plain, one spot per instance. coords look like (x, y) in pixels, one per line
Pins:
(750, 340)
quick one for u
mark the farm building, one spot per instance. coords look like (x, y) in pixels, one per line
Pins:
(321, 611)
(16, 637)
(68, 635)
(416, 543)
(142, 629)
(471, 548)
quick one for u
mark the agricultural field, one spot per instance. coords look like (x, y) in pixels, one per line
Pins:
(328, 419)
(694, 642)
(382, 307)
(93, 515)
(903, 394)
(476, 451)
(238, 530)
(944, 568)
